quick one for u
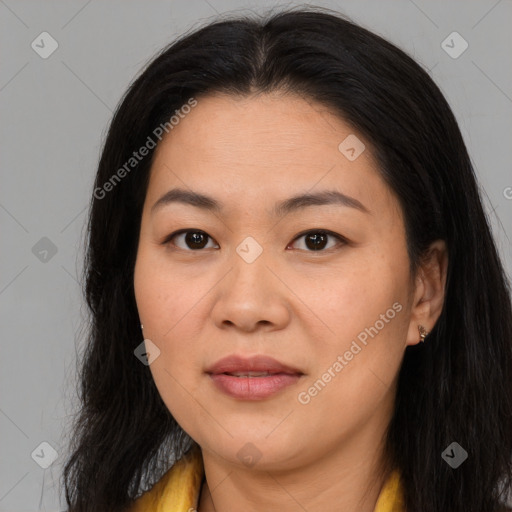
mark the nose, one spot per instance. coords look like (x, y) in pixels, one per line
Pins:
(252, 296)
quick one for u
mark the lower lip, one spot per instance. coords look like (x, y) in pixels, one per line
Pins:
(253, 388)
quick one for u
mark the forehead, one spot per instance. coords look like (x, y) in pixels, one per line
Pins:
(262, 146)
(287, 126)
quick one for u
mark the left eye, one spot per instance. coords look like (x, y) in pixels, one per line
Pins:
(314, 240)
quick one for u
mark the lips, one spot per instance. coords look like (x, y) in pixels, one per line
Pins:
(252, 367)
(253, 378)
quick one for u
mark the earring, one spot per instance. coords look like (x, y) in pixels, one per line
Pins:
(423, 333)
(141, 326)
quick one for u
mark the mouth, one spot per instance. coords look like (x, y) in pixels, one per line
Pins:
(253, 386)
(252, 378)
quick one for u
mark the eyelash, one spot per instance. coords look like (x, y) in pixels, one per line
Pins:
(341, 240)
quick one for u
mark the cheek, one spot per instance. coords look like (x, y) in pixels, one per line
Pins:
(161, 307)
(366, 310)
(167, 306)
(163, 295)
(356, 369)
(354, 296)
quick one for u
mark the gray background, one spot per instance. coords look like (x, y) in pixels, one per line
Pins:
(54, 114)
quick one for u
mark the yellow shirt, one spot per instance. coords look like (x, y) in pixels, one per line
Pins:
(178, 490)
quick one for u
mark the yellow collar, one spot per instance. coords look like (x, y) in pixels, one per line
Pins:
(178, 490)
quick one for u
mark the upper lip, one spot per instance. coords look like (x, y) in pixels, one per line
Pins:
(258, 363)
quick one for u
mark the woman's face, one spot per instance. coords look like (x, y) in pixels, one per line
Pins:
(246, 279)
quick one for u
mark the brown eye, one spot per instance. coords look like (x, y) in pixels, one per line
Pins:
(318, 240)
(192, 239)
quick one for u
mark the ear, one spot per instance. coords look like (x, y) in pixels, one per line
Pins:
(429, 291)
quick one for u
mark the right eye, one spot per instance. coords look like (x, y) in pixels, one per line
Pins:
(194, 239)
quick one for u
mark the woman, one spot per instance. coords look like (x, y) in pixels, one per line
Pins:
(286, 213)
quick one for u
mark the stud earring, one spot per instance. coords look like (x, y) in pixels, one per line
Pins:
(423, 333)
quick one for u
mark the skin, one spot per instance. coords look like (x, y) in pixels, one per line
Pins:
(302, 307)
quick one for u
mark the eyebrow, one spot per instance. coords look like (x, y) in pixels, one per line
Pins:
(293, 204)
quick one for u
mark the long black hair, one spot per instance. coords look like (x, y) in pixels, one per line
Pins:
(457, 387)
